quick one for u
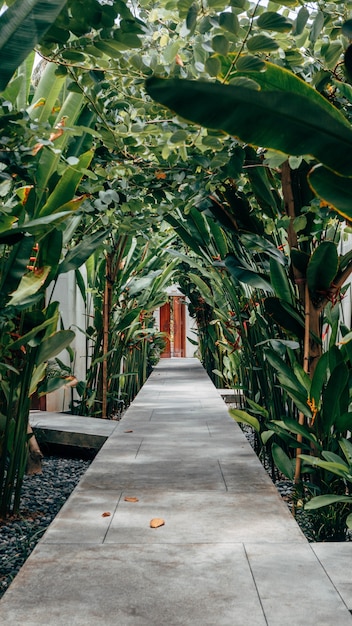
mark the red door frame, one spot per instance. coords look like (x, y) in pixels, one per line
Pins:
(173, 323)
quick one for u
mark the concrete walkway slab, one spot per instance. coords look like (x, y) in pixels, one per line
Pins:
(228, 554)
(73, 430)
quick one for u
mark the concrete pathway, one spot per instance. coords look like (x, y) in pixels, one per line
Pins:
(229, 553)
(71, 430)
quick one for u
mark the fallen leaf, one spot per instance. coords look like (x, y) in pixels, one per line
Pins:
(128, 431)
(106, 514)
(131, 499)
(157, 522)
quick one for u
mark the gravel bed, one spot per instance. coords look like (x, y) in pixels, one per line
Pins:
(42, 497)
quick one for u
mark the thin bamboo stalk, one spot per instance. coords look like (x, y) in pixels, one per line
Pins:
(306, 360)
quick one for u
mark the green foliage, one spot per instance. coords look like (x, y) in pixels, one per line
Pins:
(90, 164)
(22, 26)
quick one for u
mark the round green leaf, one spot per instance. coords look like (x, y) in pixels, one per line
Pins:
(250, 63)
(243, 81)
(179, 136)
(213, 66)
(220, 44)
(261, 43)
(229, 21)
(274, 21)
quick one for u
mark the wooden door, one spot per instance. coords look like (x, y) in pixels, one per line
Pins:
(173, 323)
(179, 326)
(165, 318)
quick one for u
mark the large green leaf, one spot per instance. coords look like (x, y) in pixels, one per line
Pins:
(319, 378)
(242, 417)
(82, 251)
(203, 288)
(272, 77)
(22, 26)
(285, 315)
(333, 395)
(335, 190)
(16, 265)
(280, 282)
(37, 227)
(283, 462)
(31, 336)
(346, 447)
(335, 468)
(53, 345)
(290, 123)
(322, 268)
(246, 275)
(326, 500)
(29, 285)
(299, 429)
(66, 187)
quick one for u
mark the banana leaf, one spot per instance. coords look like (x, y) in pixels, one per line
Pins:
(22, 26)
(335, 190)
(290, 123)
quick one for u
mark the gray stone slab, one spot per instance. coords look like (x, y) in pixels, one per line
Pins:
(71, 430)
(336, 558)
(85, 517)
(154, 474)
(293, 587)
(72, 423)
(201, 517)
(138, 585)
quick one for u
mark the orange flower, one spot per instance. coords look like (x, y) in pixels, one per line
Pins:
(313, 408)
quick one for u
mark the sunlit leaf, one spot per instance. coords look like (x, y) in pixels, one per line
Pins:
(29, 285)
(245, 418)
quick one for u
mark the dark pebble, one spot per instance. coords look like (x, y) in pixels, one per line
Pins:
(42, 497)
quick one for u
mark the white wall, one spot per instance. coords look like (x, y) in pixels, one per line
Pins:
(73, 313)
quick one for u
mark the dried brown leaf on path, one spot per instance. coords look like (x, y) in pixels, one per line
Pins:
(156, 522)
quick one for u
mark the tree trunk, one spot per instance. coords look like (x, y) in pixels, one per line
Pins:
(34, 462)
